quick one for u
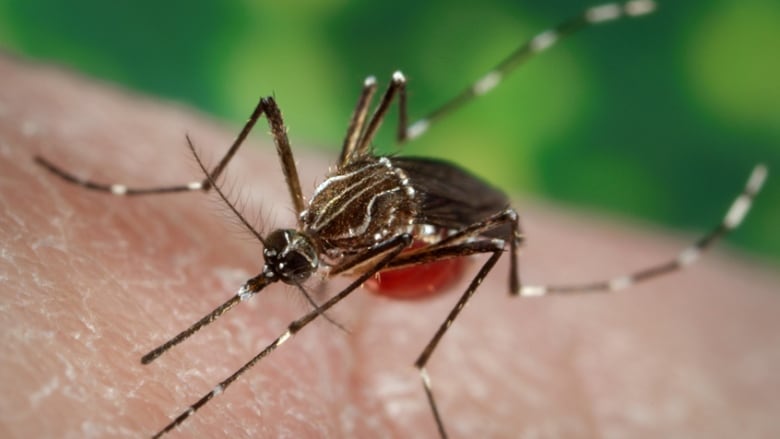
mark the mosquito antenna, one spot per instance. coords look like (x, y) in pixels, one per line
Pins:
(249, 289)
(222, 195)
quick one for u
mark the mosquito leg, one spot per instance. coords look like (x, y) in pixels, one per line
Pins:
(435, 253)
(242, 135)
(429, 254)
(691, 254)
(358, 121)
(266, 106)
(448, 247)
(455, 246)
(121, 189)
(451, 246)
(249, 289)
(116, 188)
(422, 360)
(389, 249)
(279, 132)
(397, 86)
(492, 227)
(539, 43)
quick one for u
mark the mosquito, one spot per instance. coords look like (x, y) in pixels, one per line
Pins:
(375, 215)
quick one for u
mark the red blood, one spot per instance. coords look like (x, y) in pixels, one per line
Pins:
(418, 281)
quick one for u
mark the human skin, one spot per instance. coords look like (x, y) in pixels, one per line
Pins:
(91, 282)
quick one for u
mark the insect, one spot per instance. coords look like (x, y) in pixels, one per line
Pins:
(388, 216)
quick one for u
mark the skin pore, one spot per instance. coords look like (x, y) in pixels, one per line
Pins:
(90, 282)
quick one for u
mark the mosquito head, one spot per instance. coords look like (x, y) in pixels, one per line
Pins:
(291, 255)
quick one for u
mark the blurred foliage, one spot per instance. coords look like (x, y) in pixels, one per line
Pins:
(659, 118)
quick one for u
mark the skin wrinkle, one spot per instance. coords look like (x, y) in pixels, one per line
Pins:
(117, 270)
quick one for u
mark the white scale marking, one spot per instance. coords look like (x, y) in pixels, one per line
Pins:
(367, 219)
(426, 229)
(486, 83)
(688, 256)
(416, 129)
(737, 211)
(399, 77)
(324, 221)
(195, 186)
(543, 41)
(620, 283)
(286, 336)
(533, 291)
(118, 189)
(245, 293)
(340, 177)
(409, 189)
(741, 205)
(602, 13)
(425, 377)
(639, 7)
(756, 179)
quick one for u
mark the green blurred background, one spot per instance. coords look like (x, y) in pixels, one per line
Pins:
(657, 119)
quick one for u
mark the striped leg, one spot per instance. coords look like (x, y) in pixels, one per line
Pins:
(474, 239)
(433, 253)
(387, 251)
(422, 360)
(359, 134)
(358, 121)
(121, 189)
(731, 221)
(247, 291)
(452, 247)
(266, 106)
(491, 226)
(491, 235)
(541, 42)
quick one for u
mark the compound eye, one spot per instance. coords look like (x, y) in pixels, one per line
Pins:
(291, 255)
(275, 243)
(296, 267)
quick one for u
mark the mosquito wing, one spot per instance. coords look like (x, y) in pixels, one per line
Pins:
(449, 196)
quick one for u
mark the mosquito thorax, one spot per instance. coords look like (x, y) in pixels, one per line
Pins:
(290, 255)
